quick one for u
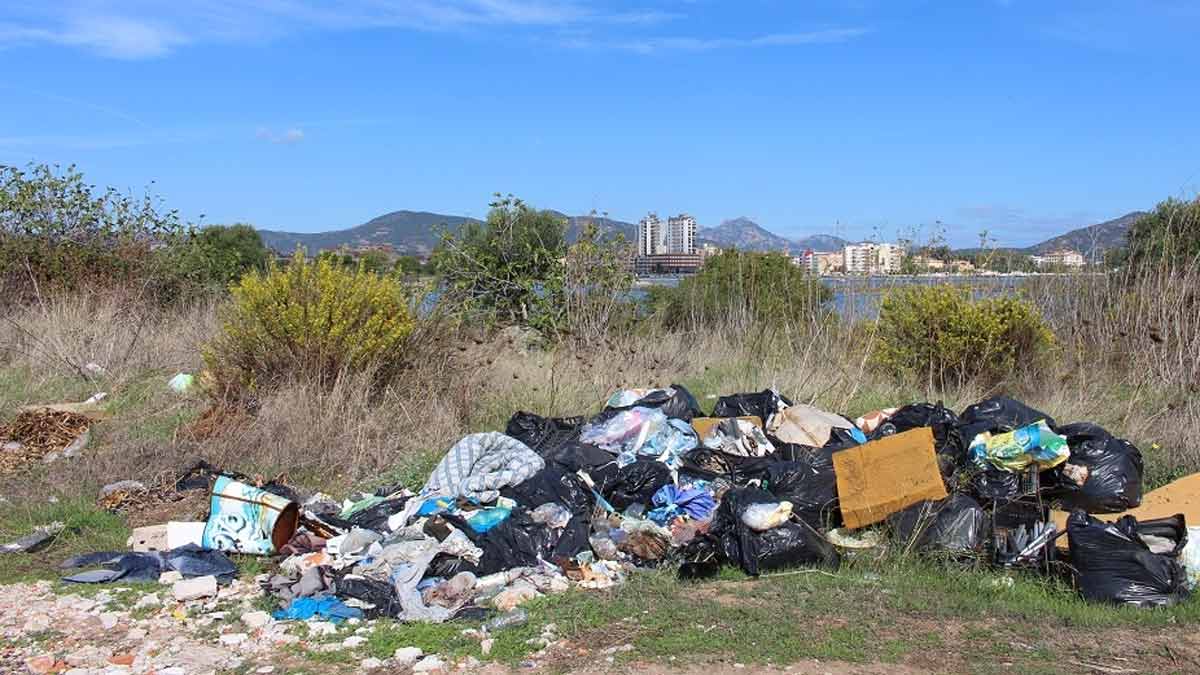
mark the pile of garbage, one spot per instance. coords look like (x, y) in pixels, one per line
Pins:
(651, 481)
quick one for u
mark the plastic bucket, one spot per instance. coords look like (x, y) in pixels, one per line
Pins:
(246, 519)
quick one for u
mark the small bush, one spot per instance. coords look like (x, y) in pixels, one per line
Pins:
(941, 334)
(737, 289)
(308, 319)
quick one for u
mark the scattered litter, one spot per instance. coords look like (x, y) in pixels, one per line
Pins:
(34, 541)
(182, 383)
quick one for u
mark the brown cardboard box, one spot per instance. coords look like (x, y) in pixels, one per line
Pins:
(704, 425)
(880, 478)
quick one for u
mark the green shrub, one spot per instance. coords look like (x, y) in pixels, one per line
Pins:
(1167, 238)
(218, 255)
(941, 335)
(736, 289)
(58, 233)
(308, 319)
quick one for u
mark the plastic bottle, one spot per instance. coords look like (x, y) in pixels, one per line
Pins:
(517, 617)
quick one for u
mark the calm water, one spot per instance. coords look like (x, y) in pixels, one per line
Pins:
(858, 298)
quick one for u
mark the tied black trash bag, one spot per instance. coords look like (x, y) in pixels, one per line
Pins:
(634, 483)
(1114, 563)
(998, 414)
(957, 524)
(543, 434)
(761, 405)
(1110, 470)
(992, 484)
(517, 541)
(788, 545)
(551, 484)
(810, 487)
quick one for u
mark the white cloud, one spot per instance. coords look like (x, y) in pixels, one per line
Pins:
(654, 44)
(287, 137)
(138, 29)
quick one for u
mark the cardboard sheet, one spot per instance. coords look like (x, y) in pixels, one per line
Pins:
(880, 478)
(705, 425)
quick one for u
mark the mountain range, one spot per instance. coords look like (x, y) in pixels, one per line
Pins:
(418, 233)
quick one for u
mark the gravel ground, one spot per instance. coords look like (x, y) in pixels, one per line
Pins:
(142, 629)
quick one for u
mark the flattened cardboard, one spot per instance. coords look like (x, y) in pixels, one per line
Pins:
(880, 478)
(705, 425)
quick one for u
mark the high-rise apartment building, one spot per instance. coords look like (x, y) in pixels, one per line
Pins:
(681, 234)
(871, 258)
(652, 236)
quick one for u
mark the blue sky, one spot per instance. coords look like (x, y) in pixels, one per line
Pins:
(853, 117)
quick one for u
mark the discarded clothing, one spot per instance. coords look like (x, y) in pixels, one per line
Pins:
(1016, 450)
(694, 501)
(640, 432)
(480, 465)
(326, 607)
(190, 561)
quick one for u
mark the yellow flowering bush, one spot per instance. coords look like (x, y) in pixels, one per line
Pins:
(941, 335)
(308, 319)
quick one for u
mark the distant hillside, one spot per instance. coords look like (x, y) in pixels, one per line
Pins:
(747, 235)
(1092, 241)
(413, 232)
(822, 243)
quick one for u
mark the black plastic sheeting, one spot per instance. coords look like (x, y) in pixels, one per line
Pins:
(998, 414)
(681, 404)
(1114, 466)
(543, 434)
(761, 405)
(376, 517)
(788, 545)
(1113, 562)
(957, 524)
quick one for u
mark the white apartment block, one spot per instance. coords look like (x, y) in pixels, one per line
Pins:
(652, 236)
(681, 234)
(871, 258)
(677, 236)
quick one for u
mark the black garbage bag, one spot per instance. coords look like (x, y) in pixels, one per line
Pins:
(378, 593)
(951, 449)
(543, 434)
(675, 402)
(992, 484)
(1110, 469)
(957, 524)
(1113, 562)
(518, 541)
(761, 405)
(998, 414)
(376, 517)
(634, 483)
(552, 484)
(713, 464)
(812, 490)
(574, 456)
(791, 544)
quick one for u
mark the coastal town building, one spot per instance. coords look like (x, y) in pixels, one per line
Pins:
(872, 258)
(1060, 258)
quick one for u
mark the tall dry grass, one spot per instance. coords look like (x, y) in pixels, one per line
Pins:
(350, 431)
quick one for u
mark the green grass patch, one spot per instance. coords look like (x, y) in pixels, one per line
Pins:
(86, 529)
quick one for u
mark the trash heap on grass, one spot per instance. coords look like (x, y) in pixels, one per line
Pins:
(651, 481)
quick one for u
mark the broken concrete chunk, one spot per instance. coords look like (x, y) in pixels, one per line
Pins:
(194, 589)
